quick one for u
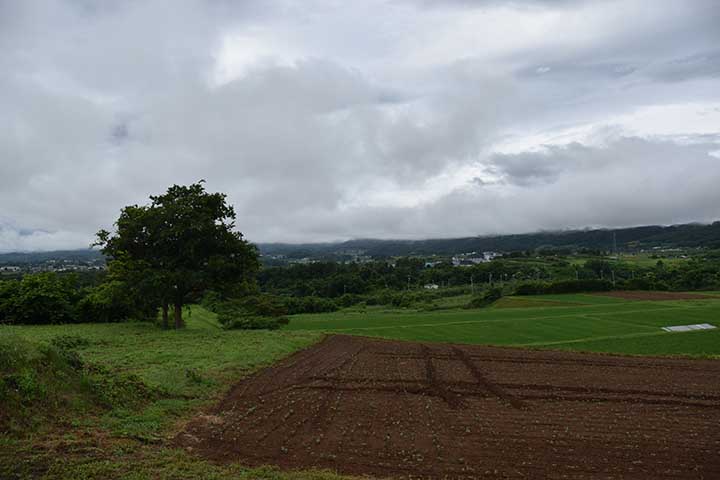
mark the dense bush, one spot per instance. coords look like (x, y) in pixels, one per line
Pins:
(575, 286)
(38, 299)
(108, 302)
(49, 298)
(643, 283)
(251, 322)
(486, 299)
(211, 300)
(564, 286)
(309, 304)
(274, 305)
(382, 297)
(531, 288)
(252, 313)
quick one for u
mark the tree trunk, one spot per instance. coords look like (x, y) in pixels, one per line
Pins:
(165, 319)
(178, 317)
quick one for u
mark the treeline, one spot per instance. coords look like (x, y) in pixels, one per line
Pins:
(325, 287)
(333, 280)
(51, 298)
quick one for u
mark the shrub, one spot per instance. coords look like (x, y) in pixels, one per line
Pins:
(564, 286)
(260, 305)
(531, 288)
(641, 283)
(211, 299)
(251, 322)
(489, 297)
(576, 286)
(348, 300)
(383, 297)
(309, 304)
(252, 313)
(39, 299)
(8, 290)
(108, 302)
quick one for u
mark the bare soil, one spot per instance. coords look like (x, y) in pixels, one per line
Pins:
(413, 410)
(654, 295)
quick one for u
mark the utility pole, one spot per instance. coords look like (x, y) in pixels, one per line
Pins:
(408, 285)
(472, 285)
(615, 252)
(613, 276)
(577, 274)
(490, 281)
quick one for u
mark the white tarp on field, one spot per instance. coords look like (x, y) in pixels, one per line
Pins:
(688, 328)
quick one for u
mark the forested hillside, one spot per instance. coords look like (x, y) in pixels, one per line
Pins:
(688, 235)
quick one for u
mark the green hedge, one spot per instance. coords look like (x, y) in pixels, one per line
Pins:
(564, 286)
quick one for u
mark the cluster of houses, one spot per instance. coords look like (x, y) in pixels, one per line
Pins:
(52, 266)
(359, 256)
(473, 258)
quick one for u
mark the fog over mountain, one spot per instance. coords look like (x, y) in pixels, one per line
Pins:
(327, 120)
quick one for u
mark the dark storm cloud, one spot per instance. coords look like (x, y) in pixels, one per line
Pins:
(325, 120)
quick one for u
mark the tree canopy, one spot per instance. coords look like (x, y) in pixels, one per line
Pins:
(181, 244)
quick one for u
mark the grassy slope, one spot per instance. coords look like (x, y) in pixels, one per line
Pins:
(194, 367)
(162, 358)
(603, 324)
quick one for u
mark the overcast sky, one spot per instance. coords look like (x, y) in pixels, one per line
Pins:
(331, 119)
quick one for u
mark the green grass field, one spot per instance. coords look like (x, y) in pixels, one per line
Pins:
(572, 322)
(195, 367)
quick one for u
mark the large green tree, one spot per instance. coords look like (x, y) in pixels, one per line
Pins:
(181, 244)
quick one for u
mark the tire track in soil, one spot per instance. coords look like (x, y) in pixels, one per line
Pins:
(484, 382)
(434, 386)
(436, 390)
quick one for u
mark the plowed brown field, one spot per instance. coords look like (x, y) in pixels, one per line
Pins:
(414, 410)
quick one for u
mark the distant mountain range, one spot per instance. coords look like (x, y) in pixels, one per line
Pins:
(687, 235)
(23, 258)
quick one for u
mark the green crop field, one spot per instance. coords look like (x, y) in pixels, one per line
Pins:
(573, 322)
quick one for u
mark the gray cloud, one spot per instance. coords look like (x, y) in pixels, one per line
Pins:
(325, 121)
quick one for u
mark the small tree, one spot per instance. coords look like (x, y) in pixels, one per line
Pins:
(180, 245)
